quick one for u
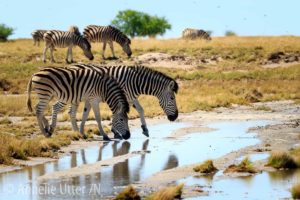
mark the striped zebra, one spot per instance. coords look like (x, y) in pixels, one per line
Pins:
(190, 33)
(137, 80)
(72, 86)
(62, 39)
(38, 35)
(108, 34)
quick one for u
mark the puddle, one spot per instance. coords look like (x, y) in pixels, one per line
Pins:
(267, 185)
(164, 154)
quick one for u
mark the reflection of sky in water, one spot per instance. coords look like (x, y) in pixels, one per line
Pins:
(165, 154)
(272, 185)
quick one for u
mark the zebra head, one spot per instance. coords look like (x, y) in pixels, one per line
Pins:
(120, 126)
(86, 47)
(167, 100)
(126, 47)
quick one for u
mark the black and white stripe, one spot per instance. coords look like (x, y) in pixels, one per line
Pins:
(190, 33)
(72, 86)
(108, 34)
(63, 39)
(38, 35)
(138, 80)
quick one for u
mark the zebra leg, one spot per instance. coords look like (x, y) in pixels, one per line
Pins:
(140, 110)
(85, 114)
(44, 53)
(103, 50)
(40, 107)
(67, 58)
(71, 55)
(51, 54)
(95, 107)
(55, 109)
(112, 49)
(72, 113)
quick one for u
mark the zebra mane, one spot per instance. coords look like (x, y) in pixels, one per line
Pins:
(121, 33)
(143, 69)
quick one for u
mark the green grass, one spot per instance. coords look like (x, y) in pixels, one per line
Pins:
(281, 160)
(206, 167)
(244, 166)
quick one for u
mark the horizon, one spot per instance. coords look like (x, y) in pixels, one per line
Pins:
(246, 18)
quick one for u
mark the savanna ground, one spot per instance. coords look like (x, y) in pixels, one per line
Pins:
(221, 73)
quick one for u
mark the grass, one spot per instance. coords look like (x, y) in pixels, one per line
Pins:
(168, 193)
(263, 108)
(281, 160)
(206, 167)
(244, 166)
(12, 147)
(129, 193)
(296, 191)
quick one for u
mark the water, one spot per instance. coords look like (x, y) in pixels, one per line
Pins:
(165, 153)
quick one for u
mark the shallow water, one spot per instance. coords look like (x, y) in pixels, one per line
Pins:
(164, 153)
(267, 185)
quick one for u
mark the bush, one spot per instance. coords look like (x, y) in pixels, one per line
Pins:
(134, 23)
(129, 193)
(244, 166)
(296, 191)
(5, 31)
(168, 193)
(230, 33)
(281, 160)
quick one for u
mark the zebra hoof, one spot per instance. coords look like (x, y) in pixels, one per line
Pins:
(106, 138)
(145, 130)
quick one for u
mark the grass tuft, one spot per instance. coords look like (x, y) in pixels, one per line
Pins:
(129, 193)
(281, 160)
(168, 193)
(244, 166)
(206, 167)
(296, 191)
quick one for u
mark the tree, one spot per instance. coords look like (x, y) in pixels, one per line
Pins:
(134, 23)
(5, 31)
(230, 33)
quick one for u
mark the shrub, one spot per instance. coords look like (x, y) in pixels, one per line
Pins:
(168, 193)
(206, 167)
(281, 160)
(244, 166)
(5, 31)
(129, 193)
(296, 191)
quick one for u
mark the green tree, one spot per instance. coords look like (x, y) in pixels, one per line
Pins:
(134, 23)
(5, 31)
(230, 33)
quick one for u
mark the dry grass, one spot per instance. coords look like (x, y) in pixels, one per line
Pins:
(129, 193)
(281, 160)
(206, 167)
(244, 166)
(296, 191)
(168, 193)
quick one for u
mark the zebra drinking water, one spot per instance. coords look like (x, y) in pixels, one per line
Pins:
(62, 39)
(190, 33)
(108, 34)
(73, 86)
(137, 80)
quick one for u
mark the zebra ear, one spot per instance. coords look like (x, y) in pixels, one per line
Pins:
(173, 86)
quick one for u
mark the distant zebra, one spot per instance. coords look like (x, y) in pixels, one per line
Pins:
(137, 80)
(73, 86)
(38, 35)
(108, 34)
(62, 39)
(190, 33)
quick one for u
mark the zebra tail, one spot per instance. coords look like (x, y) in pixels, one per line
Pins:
(29, 86)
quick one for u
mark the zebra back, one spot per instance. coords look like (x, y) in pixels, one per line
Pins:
(96, 33)
(76, 85)
(190, 33)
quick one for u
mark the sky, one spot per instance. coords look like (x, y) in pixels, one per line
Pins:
(244, 17)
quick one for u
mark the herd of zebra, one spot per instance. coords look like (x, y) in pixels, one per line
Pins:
(118, 86)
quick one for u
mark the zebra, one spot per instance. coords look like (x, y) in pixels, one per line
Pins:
(62, 39)
(108, 34)
(137, 80)
(38, 35)
(74, 86)
(190, 33)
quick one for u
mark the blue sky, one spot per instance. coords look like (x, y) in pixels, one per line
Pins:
(245, 17)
